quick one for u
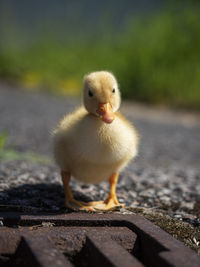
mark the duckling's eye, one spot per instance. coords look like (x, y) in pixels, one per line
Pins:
(113, 90)
(90, 93)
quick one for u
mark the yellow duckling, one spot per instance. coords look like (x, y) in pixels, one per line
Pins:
(95, 143)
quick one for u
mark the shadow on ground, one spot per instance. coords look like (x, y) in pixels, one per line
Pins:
(43, 197)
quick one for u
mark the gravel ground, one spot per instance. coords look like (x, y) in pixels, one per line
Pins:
(165, 176)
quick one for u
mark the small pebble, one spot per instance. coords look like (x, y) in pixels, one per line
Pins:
(177, 216)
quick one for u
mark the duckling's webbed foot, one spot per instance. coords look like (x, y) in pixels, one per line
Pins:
(111, 202)
(78, 205)
(70, 202)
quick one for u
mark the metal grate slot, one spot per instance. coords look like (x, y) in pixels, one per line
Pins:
(87, 240)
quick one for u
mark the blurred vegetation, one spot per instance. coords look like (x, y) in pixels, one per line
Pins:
(11, 154)
(156, 59)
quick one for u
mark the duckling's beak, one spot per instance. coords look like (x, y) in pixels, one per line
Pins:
(106, 113)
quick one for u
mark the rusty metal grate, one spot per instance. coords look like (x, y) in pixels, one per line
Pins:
(80, 239)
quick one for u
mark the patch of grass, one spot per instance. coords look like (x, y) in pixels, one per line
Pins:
(11, 154)
(3, 138)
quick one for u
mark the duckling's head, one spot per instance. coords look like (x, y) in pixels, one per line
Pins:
(101, 95)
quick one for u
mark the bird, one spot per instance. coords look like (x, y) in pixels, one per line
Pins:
(95, 142)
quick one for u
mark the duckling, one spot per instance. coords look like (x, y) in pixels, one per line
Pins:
(95, 142)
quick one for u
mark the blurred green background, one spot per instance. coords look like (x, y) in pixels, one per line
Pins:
(153, 47)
